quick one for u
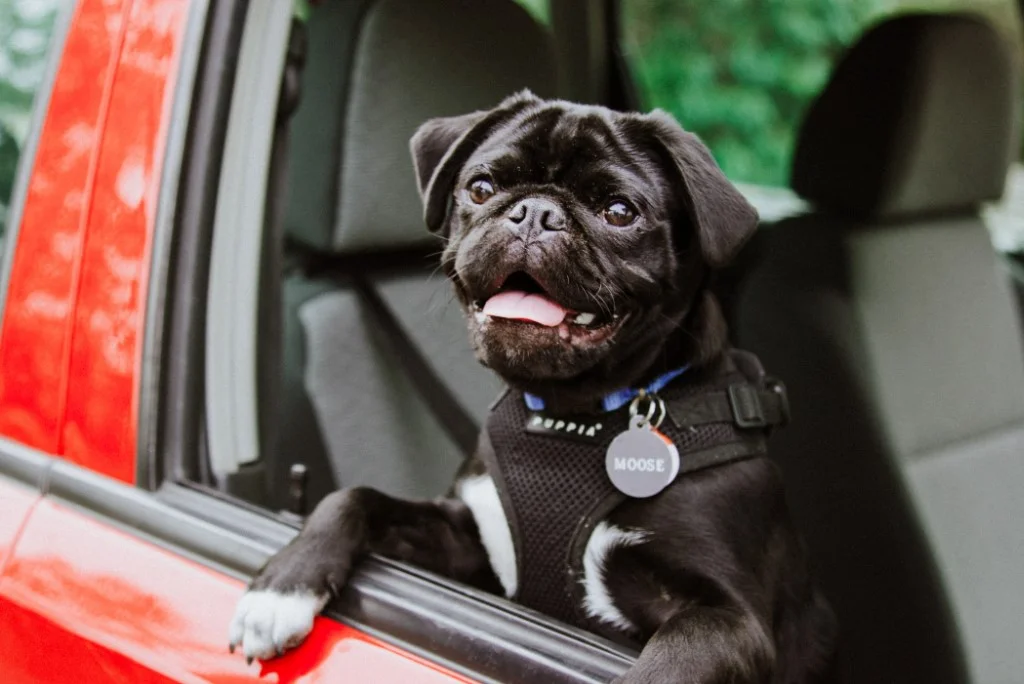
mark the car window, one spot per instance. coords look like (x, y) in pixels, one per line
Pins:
(27, 31)
(741, 73)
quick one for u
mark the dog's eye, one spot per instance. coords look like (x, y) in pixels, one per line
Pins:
(481, 190)
(619, 214)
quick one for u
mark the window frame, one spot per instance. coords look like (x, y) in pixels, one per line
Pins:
(469, 631)
(171, 397)
(233, 302)
(27, 156)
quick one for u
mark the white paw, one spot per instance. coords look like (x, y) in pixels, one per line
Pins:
(267, 623)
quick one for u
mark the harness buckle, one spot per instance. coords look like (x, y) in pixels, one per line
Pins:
(746, 407)
(778, 388)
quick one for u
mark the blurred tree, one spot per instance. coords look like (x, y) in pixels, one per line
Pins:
(739, 73)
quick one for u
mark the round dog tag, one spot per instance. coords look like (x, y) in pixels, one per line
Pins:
(641, 461)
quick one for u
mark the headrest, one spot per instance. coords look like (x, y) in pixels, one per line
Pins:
(920, 116)
(406, 62)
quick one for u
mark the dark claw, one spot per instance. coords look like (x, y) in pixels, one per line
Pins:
(279, 651)
(231, 648)
(248, 660)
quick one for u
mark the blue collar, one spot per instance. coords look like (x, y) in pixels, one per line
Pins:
(618, 398)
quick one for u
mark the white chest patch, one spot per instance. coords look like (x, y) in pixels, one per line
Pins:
(597, 601)
(481, 496)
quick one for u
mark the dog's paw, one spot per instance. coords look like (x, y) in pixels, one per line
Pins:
(267, 622)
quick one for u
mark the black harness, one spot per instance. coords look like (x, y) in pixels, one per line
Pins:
(550, 471)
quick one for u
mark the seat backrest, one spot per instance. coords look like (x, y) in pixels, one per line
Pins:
(376, 70)
(890, 318)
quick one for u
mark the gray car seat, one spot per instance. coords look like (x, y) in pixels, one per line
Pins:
(375, 70)
(893, 323)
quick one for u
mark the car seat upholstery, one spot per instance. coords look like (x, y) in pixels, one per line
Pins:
(894, 325)
(376, 70)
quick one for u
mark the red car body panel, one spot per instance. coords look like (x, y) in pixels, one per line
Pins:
(75, 307)
(35, 342)
(83, 598)
(80, 599)
(99, 428)
(16, 502)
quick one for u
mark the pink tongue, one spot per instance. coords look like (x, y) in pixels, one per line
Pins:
(525, 307)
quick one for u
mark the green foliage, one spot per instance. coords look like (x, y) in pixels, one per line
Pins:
(740, 73)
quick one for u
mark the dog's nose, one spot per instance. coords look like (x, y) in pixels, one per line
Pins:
(535, 215)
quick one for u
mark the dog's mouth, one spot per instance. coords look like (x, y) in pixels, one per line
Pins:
(522, 300)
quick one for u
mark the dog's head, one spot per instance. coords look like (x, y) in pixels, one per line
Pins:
(578, 238)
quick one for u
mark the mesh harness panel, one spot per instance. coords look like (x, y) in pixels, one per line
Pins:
(555, 489)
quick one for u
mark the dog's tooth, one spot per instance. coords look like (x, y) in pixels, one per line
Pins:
(563, 332)
(584, 319)
(480, 316)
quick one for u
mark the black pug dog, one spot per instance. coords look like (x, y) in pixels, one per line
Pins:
(580, 243)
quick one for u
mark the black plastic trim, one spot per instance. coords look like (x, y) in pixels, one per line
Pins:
(147, 470)
(27, 159)
(178, 434)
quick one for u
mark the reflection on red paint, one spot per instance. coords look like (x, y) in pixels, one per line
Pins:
(16, 500)
(69, 349)
(108, 601)
(34, 650)
(35, 338)
(99, 424)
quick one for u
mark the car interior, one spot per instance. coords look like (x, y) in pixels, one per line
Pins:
(895, 327)
(882, 305)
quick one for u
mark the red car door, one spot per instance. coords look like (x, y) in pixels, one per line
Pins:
(17, 499)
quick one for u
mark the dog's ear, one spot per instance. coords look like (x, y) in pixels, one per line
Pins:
(721, 215)
(432, 141)
(441, 146)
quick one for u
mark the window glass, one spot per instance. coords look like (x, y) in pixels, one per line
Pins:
(26, 33)
(740, 73)
(540, 9)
